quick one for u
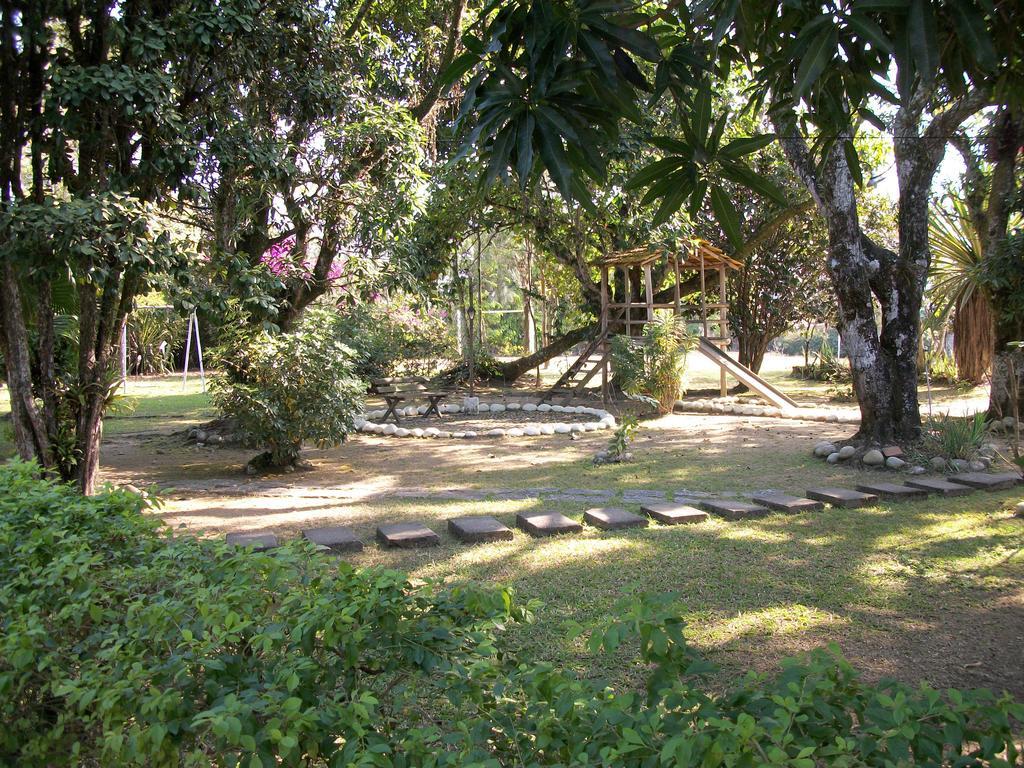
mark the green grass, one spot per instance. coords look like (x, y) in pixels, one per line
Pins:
(752, 592)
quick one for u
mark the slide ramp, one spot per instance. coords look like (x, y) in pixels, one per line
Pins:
(746, 376)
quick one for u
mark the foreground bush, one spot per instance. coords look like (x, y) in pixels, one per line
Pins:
(281, 389)
(122, 645)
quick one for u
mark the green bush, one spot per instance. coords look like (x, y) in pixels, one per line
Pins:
(281, 389)
(392, 339)
(654, 365)
(955, 437)
(124, 645)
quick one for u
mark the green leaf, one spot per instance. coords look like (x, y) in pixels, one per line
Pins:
(870, 31)
(853, 161)
(702, 113)
(741, 174)
(672, 201)
(819, 54)
(654, 171)
(923, 39)
(739, 147)
(524, 149)
(700, 190)
(727, 215)
(971, 29)
(460, 66)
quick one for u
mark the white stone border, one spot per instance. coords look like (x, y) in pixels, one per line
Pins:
(365, 423)
(730, 405)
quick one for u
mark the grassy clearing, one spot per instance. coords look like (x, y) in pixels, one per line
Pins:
(894, 585)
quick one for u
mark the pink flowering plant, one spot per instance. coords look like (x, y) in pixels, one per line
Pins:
(282, 260)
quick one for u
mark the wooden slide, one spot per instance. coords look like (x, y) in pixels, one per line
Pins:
(744, 375)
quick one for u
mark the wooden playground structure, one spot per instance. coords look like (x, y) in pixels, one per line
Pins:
(631, 285)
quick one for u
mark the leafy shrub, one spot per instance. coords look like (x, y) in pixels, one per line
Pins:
(392, 339)
(942, 369)
(654, 365)
(124, 645)
(956, 437)
(281, 389)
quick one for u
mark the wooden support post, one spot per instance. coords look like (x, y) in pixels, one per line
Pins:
(649, 291)
(604, 332)
(627, 299)
(723, 320)
(703, 291)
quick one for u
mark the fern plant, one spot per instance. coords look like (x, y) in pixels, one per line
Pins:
(654, 364)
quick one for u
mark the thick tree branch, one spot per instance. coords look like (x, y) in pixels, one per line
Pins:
(423, 107)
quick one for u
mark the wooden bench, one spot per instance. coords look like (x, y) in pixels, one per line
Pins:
(398, 390)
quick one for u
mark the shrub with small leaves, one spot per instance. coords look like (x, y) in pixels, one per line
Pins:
(281, 389)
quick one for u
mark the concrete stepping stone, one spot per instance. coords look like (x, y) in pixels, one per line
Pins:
(546, 523)
(407, 536)
(985, 481)
(478, 529)
(893, 491)
(336, 538)
(673, 514)
(613, 518)
(734, 509)
(259, 542)
(941, 487)
(786, 503)
(842, 497)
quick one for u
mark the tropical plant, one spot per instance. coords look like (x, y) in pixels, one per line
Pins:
(126, 645)
(957, 288)
(654, 364)
(153, 335)
(280, 389)
(956, 437)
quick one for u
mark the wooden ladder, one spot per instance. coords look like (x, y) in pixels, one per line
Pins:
(576, 377)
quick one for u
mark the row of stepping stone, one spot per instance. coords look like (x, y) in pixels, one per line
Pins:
(484, 528)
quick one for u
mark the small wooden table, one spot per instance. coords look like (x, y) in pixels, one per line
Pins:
(397, 390)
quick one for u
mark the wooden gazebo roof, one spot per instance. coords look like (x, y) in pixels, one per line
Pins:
(714, 258)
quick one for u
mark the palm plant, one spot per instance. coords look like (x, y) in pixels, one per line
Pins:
(957, 288)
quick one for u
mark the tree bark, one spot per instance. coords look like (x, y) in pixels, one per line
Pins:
(513, 370)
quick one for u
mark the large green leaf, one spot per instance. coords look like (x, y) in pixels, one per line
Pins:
(922, 37)
(818, 55)
(970, 28)
(727, 215)
(744, 146)
(654, 171)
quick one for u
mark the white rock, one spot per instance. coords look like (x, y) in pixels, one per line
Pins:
(977, 466)
(832, 417)
(390, 429)
(532, 431)
(469, 435)
(833, 458)
(847, 451)
(432, 431)
(529, 407)
(873, 458)
(916, 470)
(417, 432)
(938, 463)
(591, 426)
(895, 462)
(514, 406)
(367, 426)
(562, 429)
(547, 429)
(498, 408)
(402, 432)
(1020, 509)
(604, 425)
(497, 432)
(483, 408)
(824, 448)
(458, 435)
(421, 409)
(960, 465)
(576, 428)
(1009, 422)
(558, 408)
(446, 434)
(544, 407)
(515, 432)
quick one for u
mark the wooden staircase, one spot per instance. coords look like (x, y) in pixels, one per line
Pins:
(592, 360)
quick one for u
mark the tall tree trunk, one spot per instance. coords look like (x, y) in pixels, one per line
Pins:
(31, 438)
(973, 338)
